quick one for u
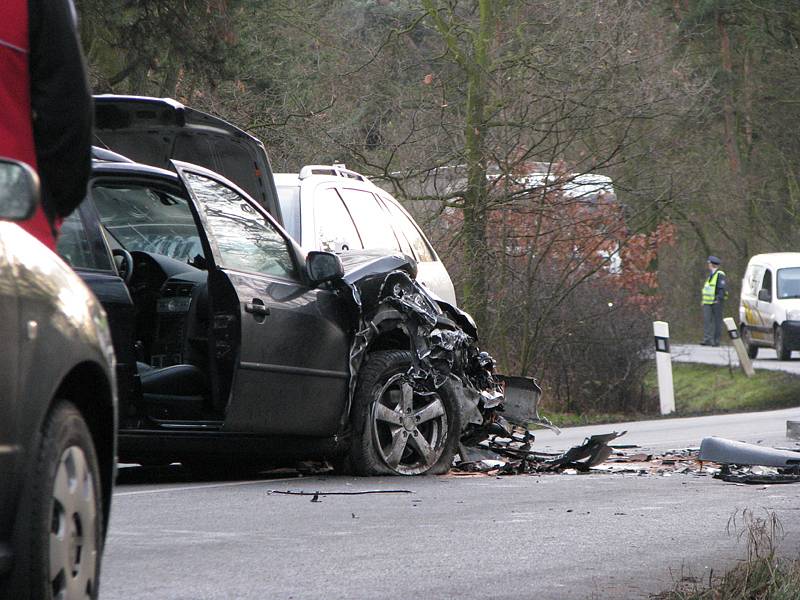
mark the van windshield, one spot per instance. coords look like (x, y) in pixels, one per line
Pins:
(789, 283)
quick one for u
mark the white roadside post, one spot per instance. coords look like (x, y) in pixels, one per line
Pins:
(738, 344)
(666, 393)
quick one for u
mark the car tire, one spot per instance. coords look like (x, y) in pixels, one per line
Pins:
(783, 352)
(752, 349)
(397, 431)
(63, 504)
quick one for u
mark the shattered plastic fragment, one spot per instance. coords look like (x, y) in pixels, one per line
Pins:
(757, 479)
(593, 451)
(521, 402)
(471, 454)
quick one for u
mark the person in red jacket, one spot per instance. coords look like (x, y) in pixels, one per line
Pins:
(45, 105)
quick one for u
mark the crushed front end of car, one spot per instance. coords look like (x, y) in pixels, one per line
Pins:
(444, 353)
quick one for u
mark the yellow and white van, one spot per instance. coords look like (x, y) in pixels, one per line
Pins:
(769, 309)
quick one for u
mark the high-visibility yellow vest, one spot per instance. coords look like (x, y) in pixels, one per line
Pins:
(710, 288)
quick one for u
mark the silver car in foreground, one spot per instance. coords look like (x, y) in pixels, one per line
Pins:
(58, 405)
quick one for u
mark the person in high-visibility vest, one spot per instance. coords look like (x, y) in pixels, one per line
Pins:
(715, 291)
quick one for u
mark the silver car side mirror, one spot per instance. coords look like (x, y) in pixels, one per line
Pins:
(19, 190)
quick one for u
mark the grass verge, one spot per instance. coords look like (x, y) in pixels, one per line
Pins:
(704, 390)
(708, 389)
(763, 575)
(576, 420)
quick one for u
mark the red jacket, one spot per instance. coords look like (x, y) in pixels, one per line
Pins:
(16, 128)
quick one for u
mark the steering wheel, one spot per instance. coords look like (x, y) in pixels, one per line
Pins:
(125, 267)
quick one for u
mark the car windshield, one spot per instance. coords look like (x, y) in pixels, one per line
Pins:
(789, 283)
(148, 219)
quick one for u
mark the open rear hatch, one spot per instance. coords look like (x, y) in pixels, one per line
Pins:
(154, 130)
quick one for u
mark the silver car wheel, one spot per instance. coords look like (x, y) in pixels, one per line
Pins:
(409, 429)
(73, 529)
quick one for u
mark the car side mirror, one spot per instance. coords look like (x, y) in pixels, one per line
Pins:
(764, 296)
(19, 190)
(323, 266)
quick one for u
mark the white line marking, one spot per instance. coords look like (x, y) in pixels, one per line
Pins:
(202, 487)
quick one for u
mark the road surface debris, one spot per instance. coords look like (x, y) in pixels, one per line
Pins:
(722, 459)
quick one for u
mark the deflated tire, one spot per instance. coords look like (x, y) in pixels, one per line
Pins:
(399, 430)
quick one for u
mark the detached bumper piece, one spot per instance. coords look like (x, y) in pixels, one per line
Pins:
(513, 455)
(749, 463)
(729, 452)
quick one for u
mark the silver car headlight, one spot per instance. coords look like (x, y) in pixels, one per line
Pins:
(793, 315)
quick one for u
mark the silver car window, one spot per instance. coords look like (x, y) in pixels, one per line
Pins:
(333, 226)
(289, 200)
(407, 228)
(371, 219)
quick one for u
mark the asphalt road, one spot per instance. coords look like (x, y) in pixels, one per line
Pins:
(550, 536)
(725, 355)
(767, 428)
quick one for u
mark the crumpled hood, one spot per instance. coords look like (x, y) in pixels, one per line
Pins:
(364, 264)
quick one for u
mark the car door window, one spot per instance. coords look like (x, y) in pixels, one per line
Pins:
(333, 226)
(408, 230)
(766, 283)
(148, 219)
(74, 245)
(244, 238)
(371, 219)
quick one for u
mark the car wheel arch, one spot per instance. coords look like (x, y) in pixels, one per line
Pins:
(394, 339)
(392, 335)
(97, 410)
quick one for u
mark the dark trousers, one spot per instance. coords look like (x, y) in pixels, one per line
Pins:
(712, 323)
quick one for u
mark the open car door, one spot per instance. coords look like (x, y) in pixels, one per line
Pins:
(286, 345)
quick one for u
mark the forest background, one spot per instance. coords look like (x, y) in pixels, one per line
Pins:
(478, 114)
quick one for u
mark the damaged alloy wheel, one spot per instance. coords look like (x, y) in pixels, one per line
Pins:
(399, 430)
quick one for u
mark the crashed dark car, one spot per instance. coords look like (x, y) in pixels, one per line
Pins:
(234, 342)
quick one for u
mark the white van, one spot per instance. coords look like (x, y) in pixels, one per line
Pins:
(769, 309)
(328, 207)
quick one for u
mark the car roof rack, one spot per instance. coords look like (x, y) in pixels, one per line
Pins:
(336, 169)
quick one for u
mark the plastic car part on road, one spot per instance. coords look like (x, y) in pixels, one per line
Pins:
(730, 452)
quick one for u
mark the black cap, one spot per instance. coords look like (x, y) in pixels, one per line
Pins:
(714, 260)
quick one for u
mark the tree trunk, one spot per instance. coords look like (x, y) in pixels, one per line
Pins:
(728, 111)
(474, 62)
(475, 292)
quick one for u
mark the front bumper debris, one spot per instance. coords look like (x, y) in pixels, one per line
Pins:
(444, 351)
(515, 455)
